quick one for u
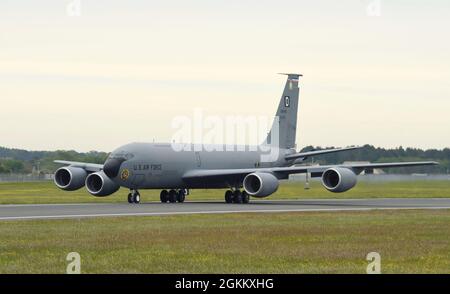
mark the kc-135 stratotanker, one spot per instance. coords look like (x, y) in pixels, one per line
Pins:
(244, 171)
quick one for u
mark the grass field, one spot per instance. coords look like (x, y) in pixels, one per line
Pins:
(46, 192)
(310, 242)
(314, 242)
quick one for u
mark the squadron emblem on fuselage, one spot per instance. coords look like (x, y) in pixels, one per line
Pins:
(125, 174)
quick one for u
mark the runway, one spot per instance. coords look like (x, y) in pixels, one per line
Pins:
(59, 211)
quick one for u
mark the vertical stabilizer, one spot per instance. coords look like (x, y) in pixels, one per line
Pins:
(286, 116)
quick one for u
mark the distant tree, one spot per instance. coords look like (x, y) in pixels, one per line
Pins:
(13, 165)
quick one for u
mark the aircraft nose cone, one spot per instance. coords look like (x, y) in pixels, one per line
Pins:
(112, 166)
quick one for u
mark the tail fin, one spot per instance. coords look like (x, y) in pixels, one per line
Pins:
(286, 116)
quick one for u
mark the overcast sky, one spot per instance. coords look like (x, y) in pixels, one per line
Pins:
(375, 72)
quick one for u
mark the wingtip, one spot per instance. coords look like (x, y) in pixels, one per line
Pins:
(428, 162)
(291, 74)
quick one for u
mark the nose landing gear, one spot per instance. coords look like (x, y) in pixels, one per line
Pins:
(134, 197)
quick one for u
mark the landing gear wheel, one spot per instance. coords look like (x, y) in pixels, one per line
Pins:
(136, 197)
(181, 195)
(164, 196)
(172, 196)
(228, 196)
(130, 198)
(245, 197)
(237, 196)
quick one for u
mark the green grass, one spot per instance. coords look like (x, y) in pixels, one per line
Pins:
(47, 192)
(314, 242)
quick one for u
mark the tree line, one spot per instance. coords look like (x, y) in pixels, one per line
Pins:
(23, 161)
(376, 154)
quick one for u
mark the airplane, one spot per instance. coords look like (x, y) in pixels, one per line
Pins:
(243, 172)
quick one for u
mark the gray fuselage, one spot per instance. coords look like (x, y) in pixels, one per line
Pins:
(161, 166)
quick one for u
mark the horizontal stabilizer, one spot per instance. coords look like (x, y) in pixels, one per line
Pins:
(318, 152)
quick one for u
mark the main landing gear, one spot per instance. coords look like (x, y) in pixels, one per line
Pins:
(236, 196)
(173, 196)
(134, 197)
(179, 195)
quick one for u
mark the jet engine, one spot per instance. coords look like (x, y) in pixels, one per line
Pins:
(98, 184)
(338, 179)
(260, 184)
(70, 178)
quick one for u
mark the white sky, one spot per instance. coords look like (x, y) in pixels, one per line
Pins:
(122, 70)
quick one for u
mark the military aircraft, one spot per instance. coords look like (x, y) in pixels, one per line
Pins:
(244, 171)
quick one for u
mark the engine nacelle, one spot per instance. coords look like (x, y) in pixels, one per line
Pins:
(98, 184)
(70, 178)
(338, 179)
(260, 184)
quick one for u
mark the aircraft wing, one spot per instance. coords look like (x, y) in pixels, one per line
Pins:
(318, 152)
(282, 172)
(90, 167)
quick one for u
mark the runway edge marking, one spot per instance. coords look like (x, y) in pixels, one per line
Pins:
(68, 216)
